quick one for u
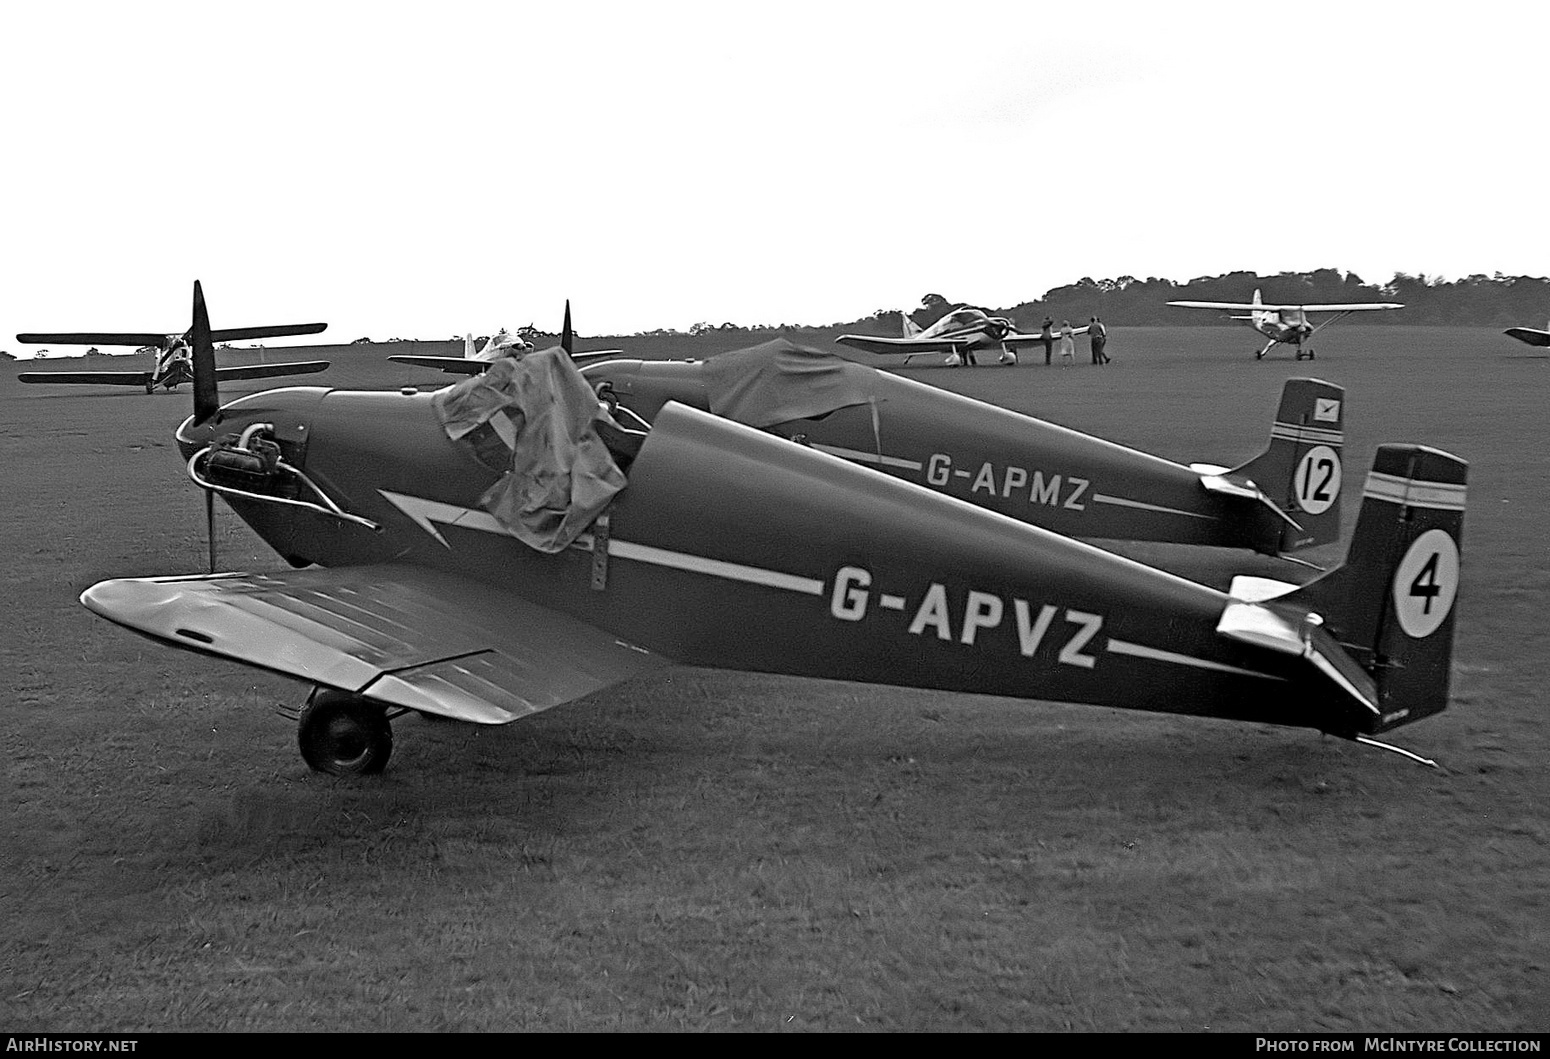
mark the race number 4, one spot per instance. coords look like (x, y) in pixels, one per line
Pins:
(1317, 480)
(1426, 582)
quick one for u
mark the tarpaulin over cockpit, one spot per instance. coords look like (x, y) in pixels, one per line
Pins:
(779, 381)
(535, 419)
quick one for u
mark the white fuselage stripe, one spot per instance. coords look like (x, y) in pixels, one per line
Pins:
(645, 553)
(1412, 492)
(1135, 650)
(1104, 498)
(869, 457)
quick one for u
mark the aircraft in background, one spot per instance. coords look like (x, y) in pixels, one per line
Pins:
(963, 332)
(1288, 323)
(1284, 499)
(1533, 336)
(501, 344)
(174, 356)
(706, 542)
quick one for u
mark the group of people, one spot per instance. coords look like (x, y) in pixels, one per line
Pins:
(1097, 337)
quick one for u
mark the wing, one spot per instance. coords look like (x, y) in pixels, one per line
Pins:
(455, 365)
(237, 334)
(96, 338)
(269, 371)
(1223, 305)
(100, 378)
(1530, 335)
(876, 344)
(402, 635)
(1347, 307)
(1018, 341)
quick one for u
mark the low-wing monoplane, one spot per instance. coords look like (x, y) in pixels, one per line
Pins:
(963, 333)
(1288, 323)
(1531, 335)
(174, 359)
(465, 575)
(1284, 499)
(502, 344)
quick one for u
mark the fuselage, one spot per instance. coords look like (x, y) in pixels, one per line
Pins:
(1022, 467)
(735, 548)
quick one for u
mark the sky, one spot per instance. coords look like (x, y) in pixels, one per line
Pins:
(424, 170)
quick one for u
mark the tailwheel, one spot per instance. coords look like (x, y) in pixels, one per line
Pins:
(343, 734)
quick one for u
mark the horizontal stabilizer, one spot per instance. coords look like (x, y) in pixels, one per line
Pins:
(1300, 634)
(407, 636)
(1532, 336)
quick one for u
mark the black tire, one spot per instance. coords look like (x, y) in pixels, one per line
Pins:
(150, 387)
(343, 734)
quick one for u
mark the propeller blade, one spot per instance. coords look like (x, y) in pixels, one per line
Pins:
(567, 336)
(210, 524)
(207, 400)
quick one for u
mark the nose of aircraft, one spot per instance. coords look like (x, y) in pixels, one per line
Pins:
(284, 416)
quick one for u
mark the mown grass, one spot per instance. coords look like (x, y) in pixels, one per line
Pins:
(711, 850)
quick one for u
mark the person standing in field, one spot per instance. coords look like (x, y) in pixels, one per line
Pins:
(1067, 343)
(1048, 338)
(1098, 335)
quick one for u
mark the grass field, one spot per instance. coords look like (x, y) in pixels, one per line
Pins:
(709, 850)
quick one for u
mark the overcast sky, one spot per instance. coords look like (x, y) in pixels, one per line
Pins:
(420, 170)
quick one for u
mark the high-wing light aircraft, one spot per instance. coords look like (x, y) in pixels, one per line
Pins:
(502, 344)
(174, 360)
(454, 584)
(1532, 335)
(1288, 323)
(962, 332)
(1284, 499)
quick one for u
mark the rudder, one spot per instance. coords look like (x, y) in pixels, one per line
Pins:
(1300, 470)
(1391, 604)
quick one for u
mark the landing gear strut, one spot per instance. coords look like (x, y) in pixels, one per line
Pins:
(344, 734)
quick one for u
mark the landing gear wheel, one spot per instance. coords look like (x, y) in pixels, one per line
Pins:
(343, 734)
(1259, 354)
(150, 387)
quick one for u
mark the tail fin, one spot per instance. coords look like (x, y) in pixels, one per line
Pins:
(911, 328)
(1257, 301)
(1300, 471)
(469, 353)
(1391, 604)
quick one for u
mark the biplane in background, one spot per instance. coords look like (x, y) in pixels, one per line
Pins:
(1284, 499)
(501, 344)
(1531, 335)
(465, 576)
(1288, 323)
(962, 333)
(174, 360)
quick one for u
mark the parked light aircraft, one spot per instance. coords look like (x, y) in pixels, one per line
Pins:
(452, 585)
(1288, 323)
(963, 332)
(1285, 499)
(174, 360)
(501, 344)
(1532, 335)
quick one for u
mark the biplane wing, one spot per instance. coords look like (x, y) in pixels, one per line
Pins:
(100, 378)
(405, 636)
(269, 371)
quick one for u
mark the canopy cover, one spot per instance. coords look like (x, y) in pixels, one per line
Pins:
(534, 419)
(779, 381)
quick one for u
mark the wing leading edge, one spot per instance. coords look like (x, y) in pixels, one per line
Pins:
(406, 636)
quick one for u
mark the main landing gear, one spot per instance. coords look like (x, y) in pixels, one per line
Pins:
(344, 734)
(1303, 354)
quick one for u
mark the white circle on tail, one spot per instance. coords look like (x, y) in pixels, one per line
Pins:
(1317, 480)
(1426, 582)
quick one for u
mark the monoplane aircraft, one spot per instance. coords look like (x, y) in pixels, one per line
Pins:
(1288, 323)
(174, 361)
(1284, 499)
(963, 333)
(1532, 335)
(476, 567)
(501, 344)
